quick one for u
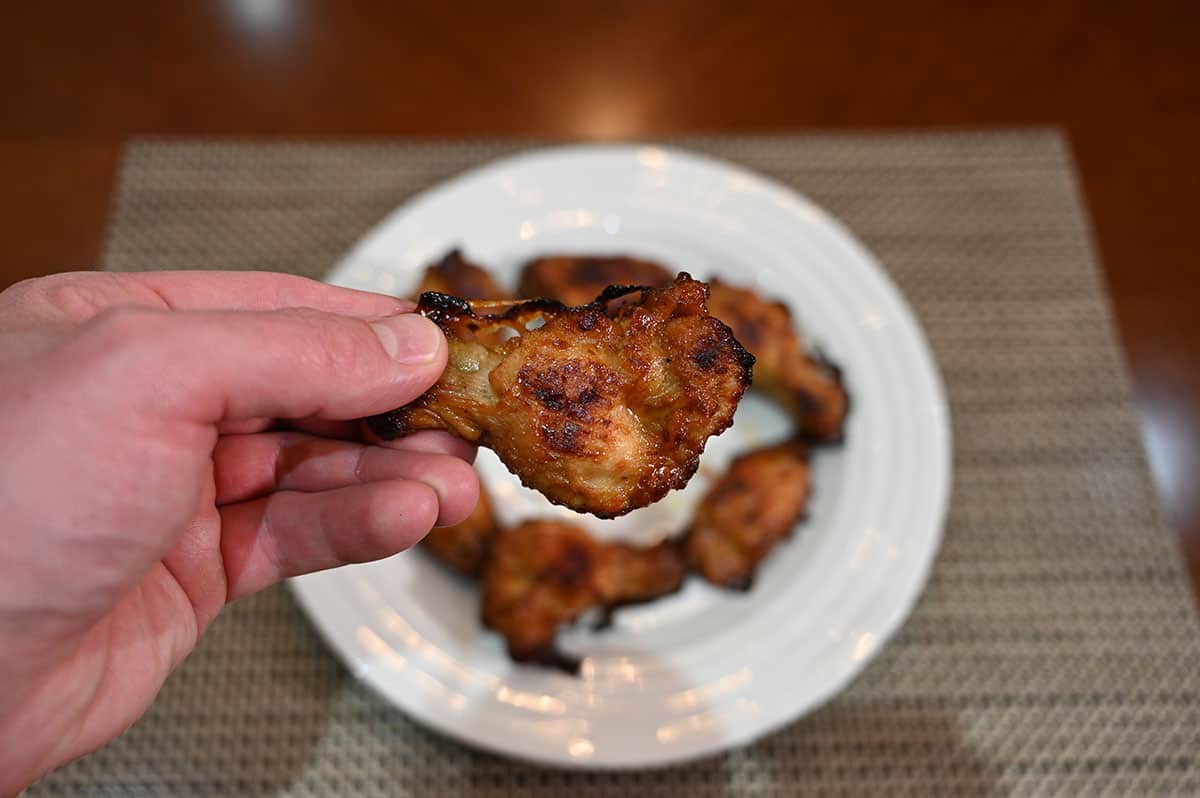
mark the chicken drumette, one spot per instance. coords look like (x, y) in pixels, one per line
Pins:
(457, 276)
(576, 279)
(753, 506)
(544, 574)
(603, 410)
(807, 386)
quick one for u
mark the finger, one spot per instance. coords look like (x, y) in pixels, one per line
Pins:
(248, 466)
(212, 366)
(77, 296)
(326, 428)
(430, 441)
(434, 442)
(288, 534)
(215, 290)
(321, 427)
(247, 426)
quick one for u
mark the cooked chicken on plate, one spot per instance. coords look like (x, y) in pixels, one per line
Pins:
(457, 276)
(601, 409)
(542, 575)
(600, 390)
(755, 504)
(807, 386)
(578, 279)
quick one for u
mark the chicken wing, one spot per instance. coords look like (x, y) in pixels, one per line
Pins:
(578, 279)
(464, 546)
(457, 276)
(806, 385)
(753, 506)
(602, 410)
(544, 574)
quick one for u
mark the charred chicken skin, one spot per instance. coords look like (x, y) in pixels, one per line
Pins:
(464, 546)
(542, 575)
(601, 409)
(753, 506)
(454, 275)
(578, 279)
(809, 388)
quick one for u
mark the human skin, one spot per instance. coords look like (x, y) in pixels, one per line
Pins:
(170, 442)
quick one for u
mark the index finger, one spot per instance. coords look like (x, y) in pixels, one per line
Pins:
(221, 290)
(78, 296)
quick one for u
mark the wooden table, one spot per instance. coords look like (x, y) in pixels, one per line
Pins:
(78, 79)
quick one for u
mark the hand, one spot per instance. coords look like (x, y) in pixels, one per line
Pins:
(146, 480)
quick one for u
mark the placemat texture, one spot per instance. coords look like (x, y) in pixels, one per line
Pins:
(1055, 649)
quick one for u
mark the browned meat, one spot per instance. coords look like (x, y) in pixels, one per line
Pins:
(457, 276)
(576, 279)
(542, 575)
(753, 506)
(808, 387)
(602, 409)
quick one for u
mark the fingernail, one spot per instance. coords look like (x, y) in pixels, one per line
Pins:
(409, 339)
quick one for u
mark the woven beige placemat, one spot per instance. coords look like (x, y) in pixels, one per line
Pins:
(1055, 650)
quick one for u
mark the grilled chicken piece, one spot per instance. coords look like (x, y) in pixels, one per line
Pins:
(542, 575)
(601, 409)
(807, 386)
(578, 279)
(753, 506)
(457, 276)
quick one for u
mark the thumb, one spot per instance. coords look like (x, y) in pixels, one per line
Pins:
(209, 366)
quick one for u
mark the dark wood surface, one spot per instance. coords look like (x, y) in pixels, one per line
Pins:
(79, 79)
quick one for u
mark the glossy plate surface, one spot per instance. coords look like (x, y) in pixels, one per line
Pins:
(706, 669)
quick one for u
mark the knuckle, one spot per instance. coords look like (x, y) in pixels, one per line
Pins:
(126, 323)
(71, 295)
(20, 293)
(123, 354)
(130, 339)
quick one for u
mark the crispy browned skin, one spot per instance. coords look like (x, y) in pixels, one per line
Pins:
(754, 505)
(808, 387)
(464, 546)
(578, 279)
(544, 574)
(457, 276)
(602, 410)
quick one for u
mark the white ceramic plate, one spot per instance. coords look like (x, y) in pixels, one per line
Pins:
(706, 669)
